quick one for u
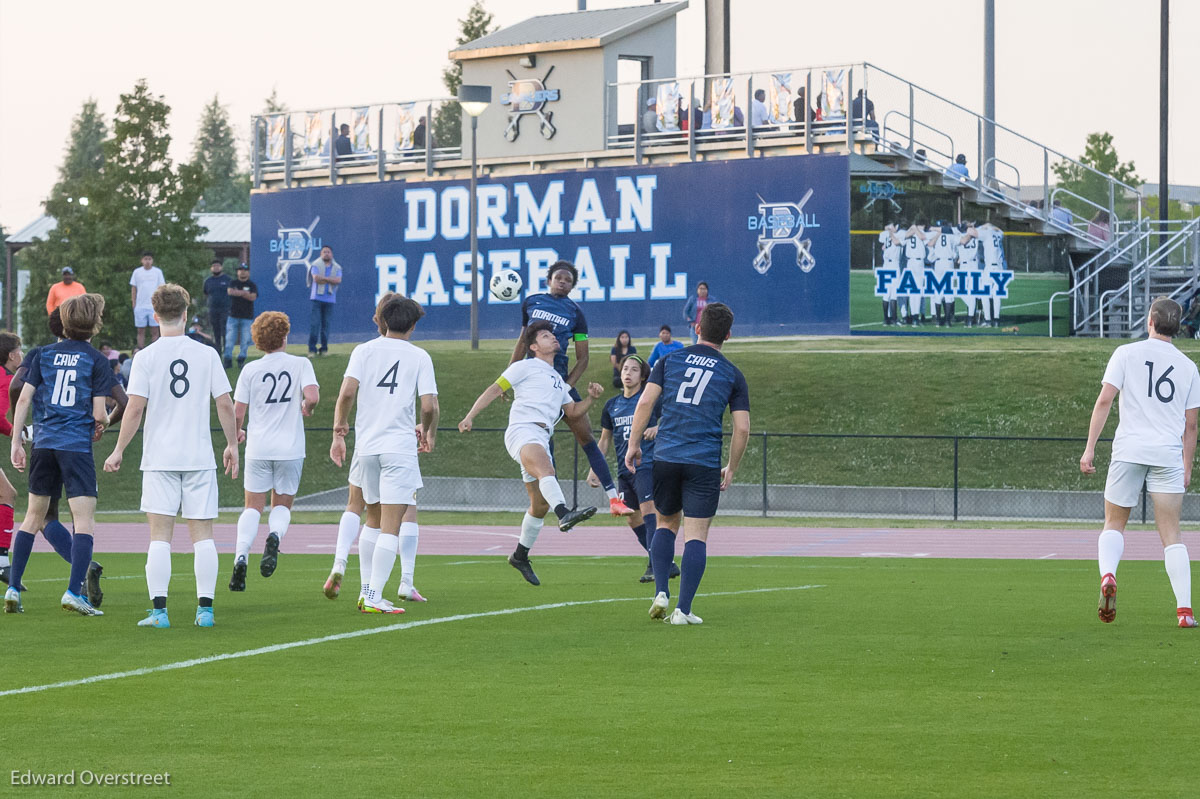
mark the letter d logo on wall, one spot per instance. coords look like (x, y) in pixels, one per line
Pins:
(782, 223)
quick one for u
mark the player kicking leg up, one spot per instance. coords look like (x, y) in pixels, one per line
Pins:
(279, 390)
(1154, 446)
(170, 384)
(67, 386)
(383, 377)
(540, 396)
(695, 387)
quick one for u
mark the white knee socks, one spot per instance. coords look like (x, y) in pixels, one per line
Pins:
(347, 532)
(206, 568)
(530, 527)
(247, 529)
(1111, 547)
(158, 568)
(382, 561)
(279, 520)
(409, 533)
(366, 551)
(1180, 571)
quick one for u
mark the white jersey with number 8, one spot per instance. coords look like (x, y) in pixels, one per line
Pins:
(177, 376)
(391, 374)
(1158, 384)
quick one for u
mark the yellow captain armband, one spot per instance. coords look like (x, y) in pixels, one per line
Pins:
(504, 384)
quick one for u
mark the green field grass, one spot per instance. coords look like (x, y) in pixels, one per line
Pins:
(887, 385)
(1026, 309)
(889, 678)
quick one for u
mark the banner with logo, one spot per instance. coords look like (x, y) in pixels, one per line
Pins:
(770, 236)
(833, 94)
(667, 104)
(360, 129)
(316, 134)
(276, 135)
(723, 103)
(781, 100)
(406, 125)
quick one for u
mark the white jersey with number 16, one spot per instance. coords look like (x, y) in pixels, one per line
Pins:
(1158, 384)
(391, 374)
(177, 376)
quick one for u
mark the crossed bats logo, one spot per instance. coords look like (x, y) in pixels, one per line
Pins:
(783, 224)
(529, 96)
(295, 249)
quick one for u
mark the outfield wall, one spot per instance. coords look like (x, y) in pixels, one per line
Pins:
(769, 235)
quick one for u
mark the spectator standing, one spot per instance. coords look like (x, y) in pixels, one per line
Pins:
(664, 347)
(695, 306)
(326, 276)
(758, 109)
(243, 292)
(63, 290)
(622, 347)
(422, 138)
(800, 105)
(216, 289)
(342, 146)
(145, 279)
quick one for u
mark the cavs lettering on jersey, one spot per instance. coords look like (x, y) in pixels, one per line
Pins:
(567, 318)
(67, 375)
(698, 382)
(617, 416)
(1158, 384)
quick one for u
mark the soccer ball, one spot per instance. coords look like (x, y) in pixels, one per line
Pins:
(506, 285)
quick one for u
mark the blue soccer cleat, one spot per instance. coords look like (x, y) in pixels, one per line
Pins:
(204, 617)
(156, 618)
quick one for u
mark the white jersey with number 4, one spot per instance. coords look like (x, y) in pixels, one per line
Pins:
(1158, 384)
(177, 376)
(391, 374)
(273, 387)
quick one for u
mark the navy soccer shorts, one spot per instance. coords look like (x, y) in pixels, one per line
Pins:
(634, 489)
(695, 490)
(50, 470)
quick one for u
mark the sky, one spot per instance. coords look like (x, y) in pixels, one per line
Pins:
(1063, 68)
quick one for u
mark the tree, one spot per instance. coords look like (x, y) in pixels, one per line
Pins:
(85, 151)
(138, 200)
(215, 155)
(1100, 155)
(447, 121)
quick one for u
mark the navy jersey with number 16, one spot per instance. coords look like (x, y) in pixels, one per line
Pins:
(66, 376)
(698, 382)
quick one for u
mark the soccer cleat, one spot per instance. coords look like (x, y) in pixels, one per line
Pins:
(92, 584)
(678, 617)
(238, 581)
(576, 516)
(270, 558)
(204, 616)
(658, 608)
(79, 604)
(379, 606)
(1107, 608)
(525, 568)
(4, 572)
(619, 508)
(1186, 619)
(410, 594)
(361, 599)
(674, 571)
(333, 586)
(156, 618)
(648, 575)
(12, 601)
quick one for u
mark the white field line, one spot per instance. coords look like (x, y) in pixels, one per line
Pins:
(267, 650)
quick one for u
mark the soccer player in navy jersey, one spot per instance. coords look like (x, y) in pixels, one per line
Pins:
(637, 488)
(67, 386)
(695, 384)
(569, 325)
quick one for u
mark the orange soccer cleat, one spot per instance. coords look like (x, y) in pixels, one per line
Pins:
(1186, 618)
(619, 508)
(1108, 598)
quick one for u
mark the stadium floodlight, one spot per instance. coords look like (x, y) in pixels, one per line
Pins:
(474, 99)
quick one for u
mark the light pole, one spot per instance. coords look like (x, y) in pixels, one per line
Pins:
(473, 100)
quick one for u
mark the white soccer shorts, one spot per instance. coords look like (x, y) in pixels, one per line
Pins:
(144, 317)
(282, 477)
(391, 478)
(194, 494)
(1124, 484)
(522, 433)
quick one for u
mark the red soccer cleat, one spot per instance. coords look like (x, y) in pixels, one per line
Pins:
(619, 508)
(1107, 609)
(1186, 619)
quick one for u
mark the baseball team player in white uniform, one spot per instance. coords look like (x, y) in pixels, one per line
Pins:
(914, 264)
(892, 245)
(1155, 443)
(992, 238)
(967, 252)
(941, 252)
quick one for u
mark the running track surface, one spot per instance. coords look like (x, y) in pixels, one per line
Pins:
(816, 542)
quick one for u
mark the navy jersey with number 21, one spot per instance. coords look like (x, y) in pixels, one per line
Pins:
(698, 382)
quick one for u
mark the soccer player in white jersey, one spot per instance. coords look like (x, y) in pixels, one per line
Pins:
(540, 398)
(349, 524)
(279, 390)
(967, 252)
(941, 251)
(1159, 391)
(914, 265)
(385, 375)
(171, 382)
(992, 239)
(892, 245)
